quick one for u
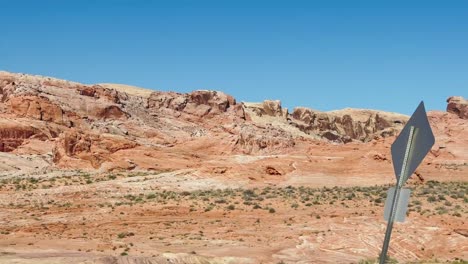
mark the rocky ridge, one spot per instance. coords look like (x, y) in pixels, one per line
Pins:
(108, 127)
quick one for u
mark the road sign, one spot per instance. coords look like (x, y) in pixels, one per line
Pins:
(408, 150)
(402, 206)
(422, 141)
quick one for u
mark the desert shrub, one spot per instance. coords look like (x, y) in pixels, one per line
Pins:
(209, 207)
(220, 201)
(125, 234)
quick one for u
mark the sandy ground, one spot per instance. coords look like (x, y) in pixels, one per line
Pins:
(140, 219)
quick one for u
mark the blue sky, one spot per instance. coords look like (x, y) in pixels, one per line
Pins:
(326, 55)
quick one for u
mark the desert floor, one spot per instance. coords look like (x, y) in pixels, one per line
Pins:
(147, 218)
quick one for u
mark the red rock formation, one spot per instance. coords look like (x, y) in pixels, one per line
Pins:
(14, 134)
(267, 108)
(171, 100)
(197, 103)
(217, 101)
(267, 139)
(458, 105)
(100, 127)
(112, 112)
(36, 108)
(95, 149)
(273, 108)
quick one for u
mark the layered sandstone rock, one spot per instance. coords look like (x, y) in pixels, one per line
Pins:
(458, 105)
(36, 108)
(198, 103)
(95, 149)
(13, 134)
(348, 124)
(113, 126)
(338, 126)
(268, 108)
(253, 140)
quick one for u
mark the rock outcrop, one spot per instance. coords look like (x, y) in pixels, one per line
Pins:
(338, 126)
(198, 103)
(36, 108)
(113, 126)
(458, 105)
(347, 125)
(263, 139)
(95, 149)
(14, 134)
(271, 108)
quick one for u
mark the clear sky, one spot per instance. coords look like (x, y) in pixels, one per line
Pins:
(326, 55)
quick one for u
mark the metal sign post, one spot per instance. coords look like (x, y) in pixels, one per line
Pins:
(408, 150)
(396, 196)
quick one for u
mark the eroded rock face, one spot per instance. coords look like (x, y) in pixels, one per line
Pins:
(7, 86)
(271, 108)
(112, 112)
(95, 149)
(342, 127)
(13, 135)
(170, 100)
(263, 139)
(198, 103)
(36, 108)
(218, 101)
(458, 105)
(92, 125)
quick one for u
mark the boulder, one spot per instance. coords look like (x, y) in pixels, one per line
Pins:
(458, 105)
(203, 102)
(273, 108)
(171, 100)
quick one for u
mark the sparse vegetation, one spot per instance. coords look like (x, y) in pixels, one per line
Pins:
(431, 198)
(443, 199)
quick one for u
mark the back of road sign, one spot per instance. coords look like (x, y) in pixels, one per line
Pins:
(402, 206)
(422, 142)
